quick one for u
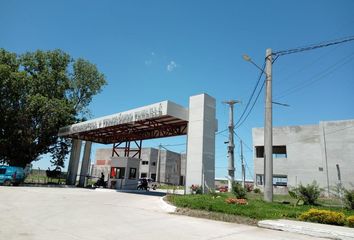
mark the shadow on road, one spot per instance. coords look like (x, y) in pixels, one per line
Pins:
(147, 193)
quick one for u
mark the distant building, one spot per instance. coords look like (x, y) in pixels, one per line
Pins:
(171, 168)
(303, 154)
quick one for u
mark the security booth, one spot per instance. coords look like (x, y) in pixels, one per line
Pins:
(124, 173)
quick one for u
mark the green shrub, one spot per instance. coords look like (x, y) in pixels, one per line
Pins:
(308, 194)
(294, 193)
(349, 198)
(196, 189)
(238, 190)
(323, 216)
(350, 221)
(257, 190)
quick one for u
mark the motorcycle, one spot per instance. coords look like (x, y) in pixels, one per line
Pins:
(101, 183)
(143, 185)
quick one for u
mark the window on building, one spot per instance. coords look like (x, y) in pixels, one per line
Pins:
(153, 163)
(143, 175)
(132, 173)
(280, 180)
(153, 176)
(145, 163)
(259, 179)
(113, 173)
(121, 172)
(117, 172)
(259, 151)
(278, 151)
(181, 180)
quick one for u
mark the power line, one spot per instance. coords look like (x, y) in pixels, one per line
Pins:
(252, 94)
(254, 103)
(276, 55)
(249, 148)
(307, 65)
(221, 131)
(249, 171)
(170, 145)
(342, 62)
(314, 46)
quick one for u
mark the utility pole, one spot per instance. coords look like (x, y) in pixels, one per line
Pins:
(158, 164)
(243, 167)
(325, 153)
(231, 146)
(268, 131)
(340, 188)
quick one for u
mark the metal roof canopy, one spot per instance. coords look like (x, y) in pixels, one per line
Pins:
(163, 119)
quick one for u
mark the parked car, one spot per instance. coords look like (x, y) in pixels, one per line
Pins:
(10, 175)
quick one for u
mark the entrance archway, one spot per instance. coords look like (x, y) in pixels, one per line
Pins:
(163, 119)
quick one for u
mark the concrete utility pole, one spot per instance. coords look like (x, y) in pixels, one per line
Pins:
(268, 131)
(231, 146)
(325, 153)
(158, 164)
(243, 166)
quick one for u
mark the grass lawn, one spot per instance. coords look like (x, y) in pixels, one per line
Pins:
(43, 179)
(256, 209)
(170, 187)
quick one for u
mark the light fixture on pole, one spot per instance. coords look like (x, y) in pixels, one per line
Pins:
(268, 128)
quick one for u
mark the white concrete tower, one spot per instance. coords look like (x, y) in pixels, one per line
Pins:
(201, 142)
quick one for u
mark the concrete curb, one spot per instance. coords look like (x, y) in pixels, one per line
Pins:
(107, 190)
(312, 229)
(47, 185)
(166, 206)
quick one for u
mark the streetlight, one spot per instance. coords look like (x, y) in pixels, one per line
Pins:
(249, 59)
(268, 127)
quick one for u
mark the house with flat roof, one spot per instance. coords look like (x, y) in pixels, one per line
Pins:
(160, 165)
(302, 154)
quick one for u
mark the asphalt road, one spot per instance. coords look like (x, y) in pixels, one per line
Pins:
(72, 213)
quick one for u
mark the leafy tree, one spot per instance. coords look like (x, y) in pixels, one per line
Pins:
(40, 92)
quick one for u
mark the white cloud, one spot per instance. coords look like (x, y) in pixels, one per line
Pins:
(171, 66)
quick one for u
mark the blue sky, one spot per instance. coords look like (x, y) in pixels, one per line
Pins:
(152, 51)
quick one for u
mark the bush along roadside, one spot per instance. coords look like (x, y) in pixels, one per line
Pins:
(323, 216)
(327, 217)
(349, 198)
(350, 221)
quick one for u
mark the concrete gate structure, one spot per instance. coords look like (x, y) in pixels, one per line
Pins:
(163, 119)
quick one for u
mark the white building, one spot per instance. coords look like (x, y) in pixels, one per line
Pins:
(303, 154)
(170, 165)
